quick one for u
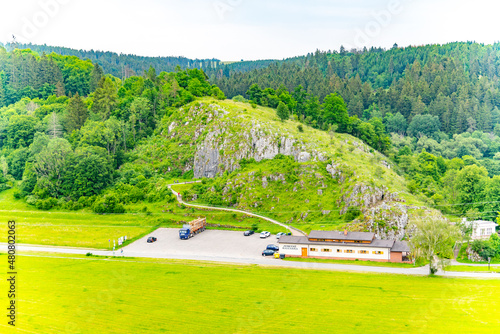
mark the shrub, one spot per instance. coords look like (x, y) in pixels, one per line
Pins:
(300, 128)
(46, 204)
(239, 98)
(352, 213)
(19, 194)
(108, 204)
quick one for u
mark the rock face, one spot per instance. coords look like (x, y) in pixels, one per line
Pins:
(220, 151)
(473, 256)
(384, 213)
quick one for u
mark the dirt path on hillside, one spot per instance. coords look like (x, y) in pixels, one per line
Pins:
(295, 231)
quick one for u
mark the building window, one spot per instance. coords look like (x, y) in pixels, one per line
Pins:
(363, 252)
(349, 251)
(326, 250)
(339, 251)
(482, 231)
(378, 252)
(489, 231)
(314, 250)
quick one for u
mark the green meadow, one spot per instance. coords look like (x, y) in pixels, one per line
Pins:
(76, 294)
(475, 269)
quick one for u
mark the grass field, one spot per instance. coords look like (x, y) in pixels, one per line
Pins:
(358, 263)
(96, 295)
(476, 269)
(85, 229)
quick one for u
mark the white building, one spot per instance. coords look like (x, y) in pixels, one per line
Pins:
(344, 245)
(482, 229)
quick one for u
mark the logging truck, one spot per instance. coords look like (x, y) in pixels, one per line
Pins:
(194, 227)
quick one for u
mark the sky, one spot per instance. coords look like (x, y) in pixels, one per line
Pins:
(232, 30)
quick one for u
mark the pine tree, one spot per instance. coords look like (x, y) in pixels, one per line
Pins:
(105, 98)
(96, 76)
(282, 111)
(4, 166)
(2, 93)
(54, 128)
(76, 114)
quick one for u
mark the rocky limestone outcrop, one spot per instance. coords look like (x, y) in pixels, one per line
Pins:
(473, 256)
(217, 153)
(384, 213)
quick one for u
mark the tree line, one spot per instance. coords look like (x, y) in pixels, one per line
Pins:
(67, 147)
(456, 82)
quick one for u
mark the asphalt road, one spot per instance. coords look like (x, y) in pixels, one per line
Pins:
(268, 261)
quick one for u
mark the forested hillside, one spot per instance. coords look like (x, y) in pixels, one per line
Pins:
(123, 65)
(457, 83)
(66, 128)
(73, 137)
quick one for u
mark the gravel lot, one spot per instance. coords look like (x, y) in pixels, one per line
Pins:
(210, 243)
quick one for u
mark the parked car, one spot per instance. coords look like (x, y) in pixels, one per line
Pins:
(151, 239)
(273, 247)
(265, 234)
(279, 235)
(247, 233)
(268, 252)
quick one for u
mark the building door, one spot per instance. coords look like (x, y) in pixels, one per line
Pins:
(304, 252)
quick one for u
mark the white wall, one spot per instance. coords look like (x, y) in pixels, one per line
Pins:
(483, 230)
(290, 249)
(296, 250)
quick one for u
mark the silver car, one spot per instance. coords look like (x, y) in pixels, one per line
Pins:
(265, 234)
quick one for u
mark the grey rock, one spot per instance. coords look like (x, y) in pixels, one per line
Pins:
(304, 157)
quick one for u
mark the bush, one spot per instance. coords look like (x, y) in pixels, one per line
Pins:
(352, 213)
(108, 204)
(19, 194)
(239, 98)
(46, 204)
(31, 200)
(86, 201)
(300, 128)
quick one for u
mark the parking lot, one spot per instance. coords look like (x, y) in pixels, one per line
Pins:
(210, 243)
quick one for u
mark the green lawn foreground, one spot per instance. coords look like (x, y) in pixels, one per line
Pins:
(73, 294)
(475, 269)
(358, 263)
(89, 230)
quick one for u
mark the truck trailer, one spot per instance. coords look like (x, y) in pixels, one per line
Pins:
(194, 227)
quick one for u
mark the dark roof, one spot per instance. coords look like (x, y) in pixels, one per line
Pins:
(291, 239)
(400, 246)
(381, 243)
(337, 235)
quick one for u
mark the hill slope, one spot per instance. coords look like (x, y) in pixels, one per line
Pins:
(310, 179)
